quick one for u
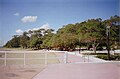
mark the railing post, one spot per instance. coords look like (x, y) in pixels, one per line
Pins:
(46, 62)
(88, 57)
(84, 58)
(65, 57)
(24, 59)
(5, 60)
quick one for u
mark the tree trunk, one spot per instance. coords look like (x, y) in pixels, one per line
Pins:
(94, 45)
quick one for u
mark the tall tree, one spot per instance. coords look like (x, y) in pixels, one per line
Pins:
(24, 40)
(92, 32)
(14, 42)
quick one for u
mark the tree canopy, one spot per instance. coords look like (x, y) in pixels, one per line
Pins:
(91, 32)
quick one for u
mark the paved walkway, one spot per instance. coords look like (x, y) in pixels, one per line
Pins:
(75, 57)
(81, 71)
(71, 58)
(91, 70)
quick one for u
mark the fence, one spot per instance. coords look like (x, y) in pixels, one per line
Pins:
(74, 57)
(38, 57)
(30, 57)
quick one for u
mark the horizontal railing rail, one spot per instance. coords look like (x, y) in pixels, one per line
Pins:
(45, 56)
(25, 56)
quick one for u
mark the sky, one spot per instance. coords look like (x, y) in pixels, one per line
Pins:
(17, 16)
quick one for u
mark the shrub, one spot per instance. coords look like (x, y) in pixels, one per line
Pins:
(112, 57)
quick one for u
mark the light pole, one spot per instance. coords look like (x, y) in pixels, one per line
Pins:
(108, 41)
(79, 45)
(118, 24)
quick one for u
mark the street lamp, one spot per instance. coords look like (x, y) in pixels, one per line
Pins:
(79, 45)
(118, 24)
(108, 41)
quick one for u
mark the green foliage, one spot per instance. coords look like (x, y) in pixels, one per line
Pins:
(88, 33)
(14, 42)
(24, 40)
(35, 42)
(112, 57)
(65, 41)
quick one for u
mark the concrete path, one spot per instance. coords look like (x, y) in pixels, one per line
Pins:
(81, 71)
(71, 57)
(76, 57)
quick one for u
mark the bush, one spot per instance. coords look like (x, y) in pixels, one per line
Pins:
(105, 57)
(112, 57)
(94, 53)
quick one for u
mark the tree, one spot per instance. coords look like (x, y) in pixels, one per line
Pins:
(48, 38)
(92, 32)
(88, 33)
(115, 31)
(24, 40)
(14, 42)
(35, 42)
(66, 37)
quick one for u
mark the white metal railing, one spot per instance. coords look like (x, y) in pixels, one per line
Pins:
(85, 58)
(24, 58)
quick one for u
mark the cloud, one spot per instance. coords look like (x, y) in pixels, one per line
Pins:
(19, 31)
(32, 29)
(35, 28)
(45, 26)
(16, 14)
(26, 19)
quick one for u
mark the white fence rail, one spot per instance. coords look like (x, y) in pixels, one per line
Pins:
(85, 58)
(24, 56)
(43, 56)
